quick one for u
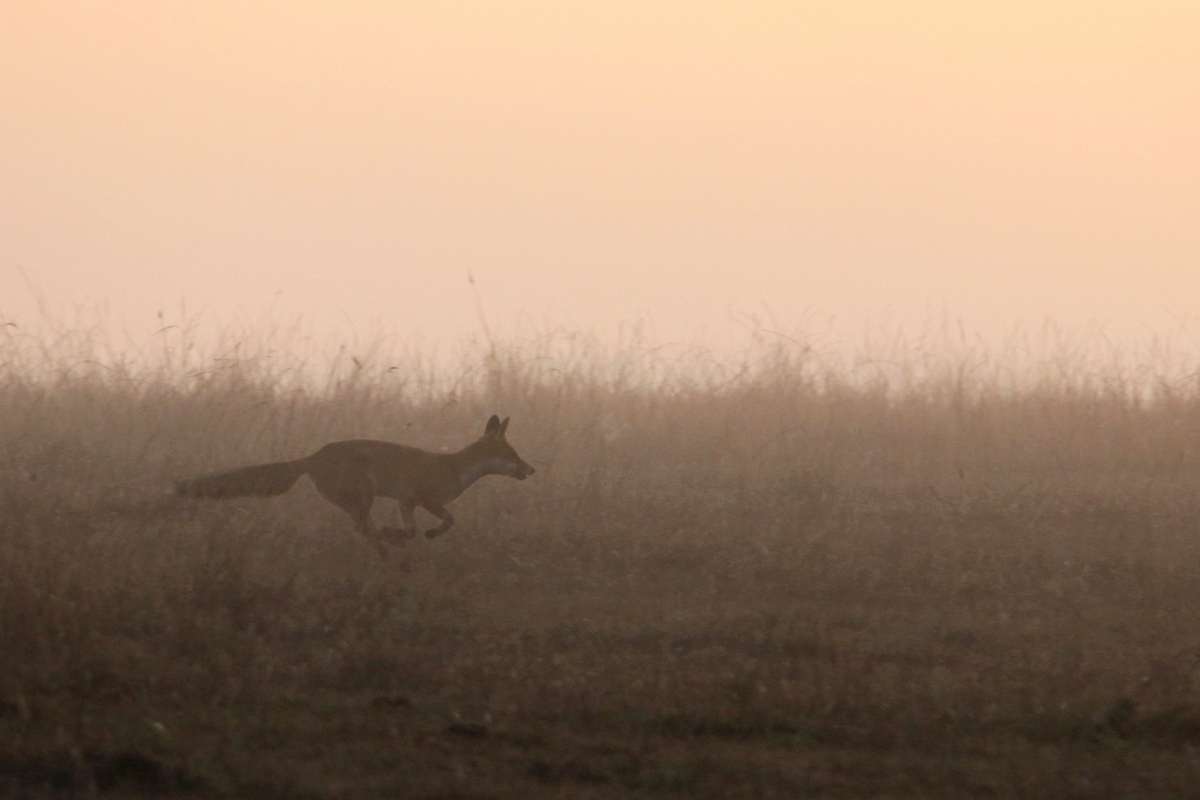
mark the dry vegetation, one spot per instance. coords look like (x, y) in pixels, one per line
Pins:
(930, 577)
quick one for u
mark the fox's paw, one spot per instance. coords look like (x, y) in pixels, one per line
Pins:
(396, 535)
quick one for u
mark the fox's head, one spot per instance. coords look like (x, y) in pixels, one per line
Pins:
(498, 454)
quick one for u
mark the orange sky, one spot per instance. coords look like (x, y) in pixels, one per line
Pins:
(591, 163)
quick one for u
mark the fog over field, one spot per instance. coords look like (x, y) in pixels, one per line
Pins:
(854, 350)
(683, 163)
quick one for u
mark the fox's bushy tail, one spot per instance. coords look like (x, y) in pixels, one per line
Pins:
(259, 480)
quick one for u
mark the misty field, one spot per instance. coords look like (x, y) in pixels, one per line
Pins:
(929, 576)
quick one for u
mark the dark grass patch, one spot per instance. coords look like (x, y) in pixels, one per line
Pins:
(1120, 723)
(468, 730)
(105, 772)
(685, 726)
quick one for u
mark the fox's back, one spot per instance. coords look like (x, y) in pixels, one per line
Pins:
(376, 455)
(396, 469)
(370, 448)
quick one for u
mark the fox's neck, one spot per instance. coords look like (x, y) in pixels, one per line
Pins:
(470, 465)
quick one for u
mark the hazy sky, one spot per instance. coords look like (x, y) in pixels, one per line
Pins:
(682, 161)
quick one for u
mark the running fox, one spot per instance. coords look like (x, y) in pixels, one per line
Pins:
(351, 474)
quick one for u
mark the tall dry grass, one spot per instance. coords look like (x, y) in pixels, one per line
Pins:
(728, 562)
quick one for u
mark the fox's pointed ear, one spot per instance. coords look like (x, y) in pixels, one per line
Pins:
(493, 426)
(504, 426)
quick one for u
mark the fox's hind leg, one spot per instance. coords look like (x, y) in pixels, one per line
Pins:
(353, 492)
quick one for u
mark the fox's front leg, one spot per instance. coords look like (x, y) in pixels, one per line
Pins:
(408, 524)
(445, 516)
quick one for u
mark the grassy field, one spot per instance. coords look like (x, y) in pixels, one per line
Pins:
(930, 577)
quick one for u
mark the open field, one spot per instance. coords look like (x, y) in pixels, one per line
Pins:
(770, 581)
